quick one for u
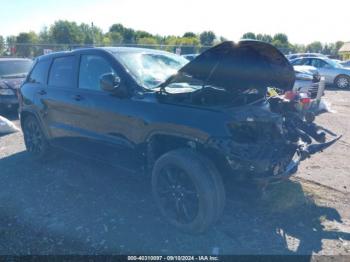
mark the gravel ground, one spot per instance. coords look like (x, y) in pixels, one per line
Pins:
(69, 205)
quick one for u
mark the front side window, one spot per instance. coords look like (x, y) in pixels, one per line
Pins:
(39, 73)
(92, 67)
(62, 72)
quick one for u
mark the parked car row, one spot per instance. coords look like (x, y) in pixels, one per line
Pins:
(333, 72)
(13, 71)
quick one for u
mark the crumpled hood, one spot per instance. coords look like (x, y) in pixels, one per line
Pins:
(14, 83)
(242, 66)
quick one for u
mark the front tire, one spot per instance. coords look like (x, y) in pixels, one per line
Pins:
(188, 190)
(342, 82)
(34, 138)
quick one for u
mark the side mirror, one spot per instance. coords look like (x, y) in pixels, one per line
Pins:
(110, 82)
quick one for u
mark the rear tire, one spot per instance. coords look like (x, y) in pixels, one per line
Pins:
(34, 138)
(188, 190)
(342, 82)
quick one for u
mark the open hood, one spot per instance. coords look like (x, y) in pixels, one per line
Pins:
(239, 67)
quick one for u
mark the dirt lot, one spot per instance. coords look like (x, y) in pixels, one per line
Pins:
(70, 205)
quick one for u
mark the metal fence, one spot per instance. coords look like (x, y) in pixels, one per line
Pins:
(34, 50)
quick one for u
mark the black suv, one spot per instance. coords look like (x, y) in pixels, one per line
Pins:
(12, 73)
(190, 125)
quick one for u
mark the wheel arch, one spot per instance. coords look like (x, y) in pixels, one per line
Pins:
(160, 143)
(341, 75)
(26, 113)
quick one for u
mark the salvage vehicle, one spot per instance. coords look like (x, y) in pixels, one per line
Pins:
(333, 72)
(188, 124)
(13, 71)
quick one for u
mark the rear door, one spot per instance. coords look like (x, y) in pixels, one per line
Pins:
(59, 101)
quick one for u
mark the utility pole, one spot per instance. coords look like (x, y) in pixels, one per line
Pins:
(92, 34)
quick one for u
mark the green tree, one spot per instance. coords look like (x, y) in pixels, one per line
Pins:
(2, 44)
(338, 45)
(128, 34)
(119, 28)
(280, 41)
(264, 38)
(65, 32)
(248, 35)
(189, 34)
(207, 38)
(314, 47)
(11, 42)
(297, 48)
(116, 38)
(147, 41)
(187, 44)
(142, 34)
(44, 36)
(282, 38)
(91, 34)
(25, 44)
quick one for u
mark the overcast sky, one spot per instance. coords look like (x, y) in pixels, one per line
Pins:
(303, 21)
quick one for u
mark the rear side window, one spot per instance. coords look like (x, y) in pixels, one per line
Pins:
(39, 72)
(62, 72)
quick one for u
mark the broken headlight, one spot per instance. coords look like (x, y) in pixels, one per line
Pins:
(255, 132)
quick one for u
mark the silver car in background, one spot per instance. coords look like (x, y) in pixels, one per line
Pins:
(333, 72)
(300, 55)
(345, 63)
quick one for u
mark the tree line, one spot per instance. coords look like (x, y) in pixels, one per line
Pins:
(63, 35)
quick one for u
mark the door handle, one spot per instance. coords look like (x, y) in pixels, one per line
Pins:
(77, 97)
(42, 92)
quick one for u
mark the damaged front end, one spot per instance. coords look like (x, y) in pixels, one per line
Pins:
(269, 141)
(265, 137)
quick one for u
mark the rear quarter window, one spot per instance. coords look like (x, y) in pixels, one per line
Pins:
(62, 72)
(39, 72)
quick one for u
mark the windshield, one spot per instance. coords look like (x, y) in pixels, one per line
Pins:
(334, 63)
(17, 68)
(151, 69)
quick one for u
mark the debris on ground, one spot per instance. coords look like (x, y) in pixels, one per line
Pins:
(7, 127)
